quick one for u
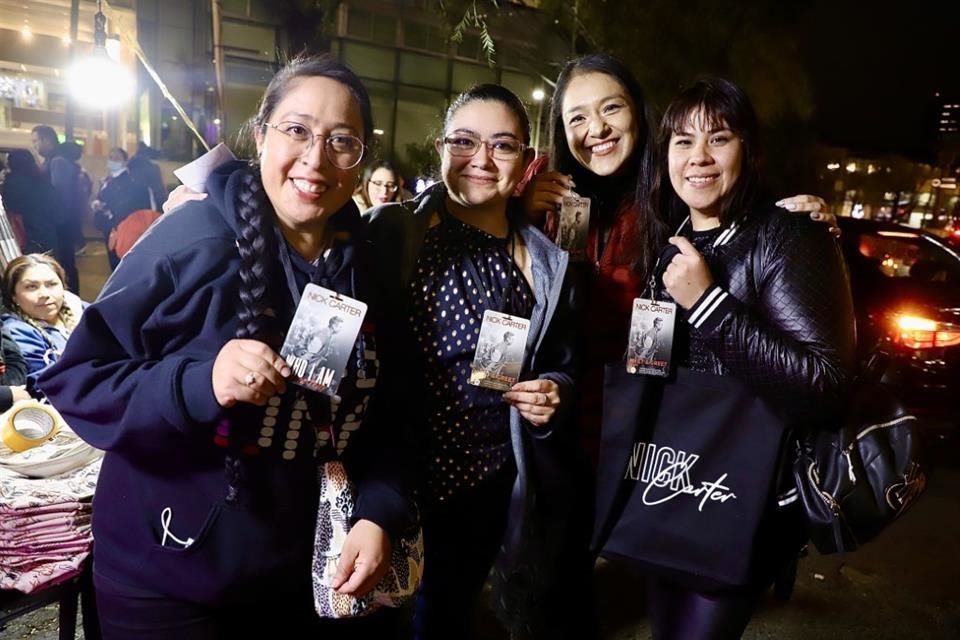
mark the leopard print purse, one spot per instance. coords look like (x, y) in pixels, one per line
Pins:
(337, 499)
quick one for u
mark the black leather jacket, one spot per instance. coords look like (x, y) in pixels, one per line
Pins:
(779, 315)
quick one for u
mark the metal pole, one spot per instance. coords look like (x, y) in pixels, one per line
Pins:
(574, 28)
(216, 11)
(536, 140)
(70, 115)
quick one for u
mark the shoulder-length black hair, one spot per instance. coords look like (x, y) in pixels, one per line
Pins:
(22, 161)
(716, 103)
(638, 164)
(631, 186)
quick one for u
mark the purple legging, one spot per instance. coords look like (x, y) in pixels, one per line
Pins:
(678, 613)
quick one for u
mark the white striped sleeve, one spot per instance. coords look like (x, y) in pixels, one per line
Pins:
(712, 307)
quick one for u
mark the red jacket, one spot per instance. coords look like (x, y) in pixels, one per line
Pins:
(610, 284)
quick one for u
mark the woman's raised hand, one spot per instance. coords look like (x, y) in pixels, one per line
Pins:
(545, 193)
(815, 205)
(179, 196)
(687, 277)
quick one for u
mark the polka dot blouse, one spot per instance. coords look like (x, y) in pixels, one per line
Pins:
(461, 272)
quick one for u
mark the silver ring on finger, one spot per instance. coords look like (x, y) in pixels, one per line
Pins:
(250, 379)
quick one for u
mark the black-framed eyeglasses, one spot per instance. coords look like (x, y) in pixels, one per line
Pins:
(464, 145)
(389, 187)
(342, 149)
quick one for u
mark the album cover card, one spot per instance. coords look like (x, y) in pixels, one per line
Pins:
(574, 225)
(651, 337)
(321, 338)
(500, 349)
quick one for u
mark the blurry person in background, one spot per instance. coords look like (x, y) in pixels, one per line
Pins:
(83, 190)
(26, 195)
(66, 178)
(39, 313)
(13, 372)
(147, 172)
(381, 184)
(119, 196)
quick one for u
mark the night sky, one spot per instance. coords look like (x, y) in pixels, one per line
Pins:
(875, 68)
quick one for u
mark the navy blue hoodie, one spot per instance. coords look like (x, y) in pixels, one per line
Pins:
(136, 380)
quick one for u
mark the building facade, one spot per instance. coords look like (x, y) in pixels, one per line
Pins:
(39, 43)
(214, 57)
(412, 68)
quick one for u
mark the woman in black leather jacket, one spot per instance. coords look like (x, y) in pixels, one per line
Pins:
(764, 311)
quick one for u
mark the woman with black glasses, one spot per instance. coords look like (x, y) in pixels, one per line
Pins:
(493, 477)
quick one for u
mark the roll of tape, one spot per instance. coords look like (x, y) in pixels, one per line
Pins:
(29, 424)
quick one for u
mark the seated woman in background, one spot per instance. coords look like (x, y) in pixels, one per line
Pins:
(39, 312)
(381, 184)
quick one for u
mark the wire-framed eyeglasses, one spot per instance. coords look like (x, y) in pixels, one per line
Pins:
(465, 145)
(342, 149)
(389, 187)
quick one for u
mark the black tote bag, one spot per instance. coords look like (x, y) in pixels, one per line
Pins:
(697, 458)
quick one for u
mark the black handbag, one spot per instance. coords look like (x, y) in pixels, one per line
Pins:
(855, 481)
(688, 476)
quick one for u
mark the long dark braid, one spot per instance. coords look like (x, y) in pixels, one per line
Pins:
(257, 246)
(257, 243)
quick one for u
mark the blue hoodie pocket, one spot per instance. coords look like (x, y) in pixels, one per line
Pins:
(234, 554)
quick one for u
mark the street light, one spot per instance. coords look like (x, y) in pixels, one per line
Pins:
(538, 96)
(97, 80)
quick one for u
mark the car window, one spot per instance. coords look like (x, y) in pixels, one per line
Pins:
(896, 254)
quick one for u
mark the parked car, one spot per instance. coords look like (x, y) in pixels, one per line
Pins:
(906, 289)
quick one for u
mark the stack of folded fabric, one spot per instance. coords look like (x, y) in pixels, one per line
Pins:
(45, 496)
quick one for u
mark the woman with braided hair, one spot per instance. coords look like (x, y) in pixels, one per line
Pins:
(40, 312)
(207, 501)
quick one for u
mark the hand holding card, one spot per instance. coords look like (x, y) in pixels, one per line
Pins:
(321, 338)
(500, 350)
(574, 226)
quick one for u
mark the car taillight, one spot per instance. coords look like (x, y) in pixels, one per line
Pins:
(916, 332)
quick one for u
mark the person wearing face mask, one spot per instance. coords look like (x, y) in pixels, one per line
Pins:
(119, 196)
